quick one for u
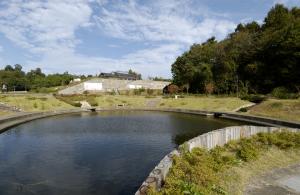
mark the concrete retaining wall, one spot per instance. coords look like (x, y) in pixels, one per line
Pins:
(264, 121)
(8, 122)
(208, 140)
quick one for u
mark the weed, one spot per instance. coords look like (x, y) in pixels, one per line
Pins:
(202, 171)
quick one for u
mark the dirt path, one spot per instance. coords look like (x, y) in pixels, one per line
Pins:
(153, 102)
(282, 181)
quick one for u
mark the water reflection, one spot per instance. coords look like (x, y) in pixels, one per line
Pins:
(106, 153)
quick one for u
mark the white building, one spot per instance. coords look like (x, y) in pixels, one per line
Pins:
(91, 86)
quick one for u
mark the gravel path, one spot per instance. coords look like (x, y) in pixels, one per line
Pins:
(281, 181)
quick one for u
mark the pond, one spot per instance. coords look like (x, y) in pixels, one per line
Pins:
(110, 152)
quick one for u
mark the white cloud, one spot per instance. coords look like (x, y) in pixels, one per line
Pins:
(287, 2)
(149, 62)
(47, 30)
(41, 26)
(1, 49)
(168, 21)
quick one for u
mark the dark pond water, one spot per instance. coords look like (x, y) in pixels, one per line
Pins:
(100, 153)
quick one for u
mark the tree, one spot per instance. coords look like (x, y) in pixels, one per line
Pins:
(264, 57)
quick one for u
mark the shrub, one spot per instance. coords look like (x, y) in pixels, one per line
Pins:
(248, 150)
(35, 105)
(91, 100)
(31, 98)
(76, 104)
(209, 88)
(149, 92)
(276, 105)
(43, 98)
(283, 93)
(93, 103)
(243, 110)
(137, 92)
(254, 98)
(201, 171)
(171, 89)
(43, 106)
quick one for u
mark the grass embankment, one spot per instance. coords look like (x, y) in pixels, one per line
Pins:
(105, 101)
(34, 102)
(226, 170)
(281, 109)
(211, 103)
(5, 113)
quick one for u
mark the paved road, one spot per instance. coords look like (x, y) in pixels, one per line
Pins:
(284, 181)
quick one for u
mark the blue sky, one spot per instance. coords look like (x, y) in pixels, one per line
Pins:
(92, 36)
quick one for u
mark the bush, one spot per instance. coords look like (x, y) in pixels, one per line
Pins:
(150, 92)
(276, 105)
(45, 90)
(248, 150)
(243, 110)
(91, 100)
(254, 98)
(282, 140)
(200, 171)
(138, 91)
(283, 93)
(93, 103)
(35, 105)
(76, 104)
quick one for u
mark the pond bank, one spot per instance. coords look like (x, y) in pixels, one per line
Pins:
(209, 140)
(12, 120)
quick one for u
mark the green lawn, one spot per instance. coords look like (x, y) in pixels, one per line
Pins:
(281, 109)
(111, 101)
(34, 102)
(5, 113)
(211, 103)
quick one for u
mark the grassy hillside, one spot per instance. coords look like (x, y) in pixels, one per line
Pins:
(34, 102)
(211, 103)
(281, 109)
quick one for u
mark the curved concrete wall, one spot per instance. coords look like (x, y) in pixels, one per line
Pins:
(7, 122)
(208, 140)
(265, 121)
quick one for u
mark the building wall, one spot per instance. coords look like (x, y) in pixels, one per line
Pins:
(92, 86)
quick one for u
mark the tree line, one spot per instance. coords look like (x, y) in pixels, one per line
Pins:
(255, 58)
(15, 79)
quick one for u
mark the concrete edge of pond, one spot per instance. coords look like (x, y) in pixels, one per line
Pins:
(209, 140)
(11, 121)
(265, 121)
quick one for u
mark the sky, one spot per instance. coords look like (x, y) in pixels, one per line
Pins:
(93, 36)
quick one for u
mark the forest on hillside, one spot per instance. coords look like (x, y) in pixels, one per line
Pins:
(253, 59)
